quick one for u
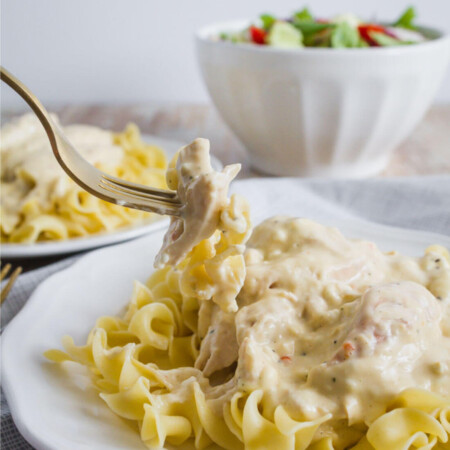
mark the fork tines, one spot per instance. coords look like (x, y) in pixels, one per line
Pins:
(12, 279)
(160, 193)
(158, 199)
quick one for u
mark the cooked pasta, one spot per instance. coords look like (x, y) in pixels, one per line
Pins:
(39, 202)
(296, 338)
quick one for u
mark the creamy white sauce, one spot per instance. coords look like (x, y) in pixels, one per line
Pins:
(29, 169)
(330, 325)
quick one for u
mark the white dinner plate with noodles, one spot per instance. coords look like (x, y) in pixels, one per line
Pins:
(59, 412)
(43, 249)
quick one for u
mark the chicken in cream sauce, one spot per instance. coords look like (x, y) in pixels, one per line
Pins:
(203, 193)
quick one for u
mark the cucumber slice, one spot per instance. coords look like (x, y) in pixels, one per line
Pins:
(284, 35)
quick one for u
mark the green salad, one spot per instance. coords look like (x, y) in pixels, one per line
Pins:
(303, 29)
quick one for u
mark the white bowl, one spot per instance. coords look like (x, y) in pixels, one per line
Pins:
(319, 111)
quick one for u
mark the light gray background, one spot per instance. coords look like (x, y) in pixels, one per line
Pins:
(112, 51)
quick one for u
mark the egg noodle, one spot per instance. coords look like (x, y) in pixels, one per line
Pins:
(39, 202)
(294, 339)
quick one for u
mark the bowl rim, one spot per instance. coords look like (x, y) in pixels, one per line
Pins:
(204, 33)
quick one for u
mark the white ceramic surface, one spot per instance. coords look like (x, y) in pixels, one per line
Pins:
(58, 412)
(319, 111)
(42, 249)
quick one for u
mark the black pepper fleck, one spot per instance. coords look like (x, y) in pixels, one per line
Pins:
(334, 380)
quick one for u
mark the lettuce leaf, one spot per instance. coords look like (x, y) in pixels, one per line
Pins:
(303, 15)
(311, 27)
(406, 19)
(267, 20)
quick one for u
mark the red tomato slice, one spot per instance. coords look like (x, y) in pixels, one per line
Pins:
(258, 35)
(364, 31)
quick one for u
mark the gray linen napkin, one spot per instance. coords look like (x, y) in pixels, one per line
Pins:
(421, 203)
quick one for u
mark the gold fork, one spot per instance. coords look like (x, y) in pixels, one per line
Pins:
(12, 279)
(96, 182)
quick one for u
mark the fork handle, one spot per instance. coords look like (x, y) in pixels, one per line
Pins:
(33, 102)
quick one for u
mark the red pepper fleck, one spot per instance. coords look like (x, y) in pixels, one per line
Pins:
(258, 35)
(286, 358)
(364, 31)
(349, 348)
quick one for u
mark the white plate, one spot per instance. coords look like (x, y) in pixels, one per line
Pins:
(41, 249)
(53, 411)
